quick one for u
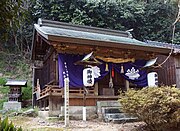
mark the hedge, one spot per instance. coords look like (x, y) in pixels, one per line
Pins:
(158, 107)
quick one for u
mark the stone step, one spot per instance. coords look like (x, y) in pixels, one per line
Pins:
(119, 117)
(123, 120)
(115, 115)
(112, 110)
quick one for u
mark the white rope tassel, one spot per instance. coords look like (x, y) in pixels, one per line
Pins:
(110, 81)
(106, 69)
(122, 69)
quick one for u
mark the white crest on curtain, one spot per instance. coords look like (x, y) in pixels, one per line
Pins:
(96, 71)
(132, 73)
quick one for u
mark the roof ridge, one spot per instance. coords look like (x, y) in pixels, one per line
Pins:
(50, 23)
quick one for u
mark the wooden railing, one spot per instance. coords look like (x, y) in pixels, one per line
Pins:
(80, 91)
(57, 91)
(51, 90)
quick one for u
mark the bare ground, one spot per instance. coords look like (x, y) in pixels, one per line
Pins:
(39, 124)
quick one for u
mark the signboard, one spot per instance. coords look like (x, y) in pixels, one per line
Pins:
(66, 101)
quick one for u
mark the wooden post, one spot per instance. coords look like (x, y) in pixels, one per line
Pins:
(96, 89)
(40, 104)
(44, 104)
(50, 104)
(33, 86)
(177, 70)
(56, 70)
(84, 104)
(126, 85)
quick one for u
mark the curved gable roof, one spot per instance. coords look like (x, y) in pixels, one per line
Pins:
(65, 32)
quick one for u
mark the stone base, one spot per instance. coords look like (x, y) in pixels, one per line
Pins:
(75, 112)
(43, 114)
(15, 106)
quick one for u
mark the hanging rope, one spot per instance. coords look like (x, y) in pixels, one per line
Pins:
(173, 34)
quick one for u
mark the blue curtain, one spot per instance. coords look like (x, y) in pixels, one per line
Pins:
(131, 71)
(68, 68)
(135, 75)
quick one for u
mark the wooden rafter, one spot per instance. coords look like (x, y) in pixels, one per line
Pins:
(102, 51)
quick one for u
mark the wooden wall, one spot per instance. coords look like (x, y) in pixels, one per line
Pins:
(166, 74)
(47, 73)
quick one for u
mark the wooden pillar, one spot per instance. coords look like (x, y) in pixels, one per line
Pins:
(44, 104)
(40, 104)
(96, 89)
(126, 85)
(33, 86)
(177, 70)
(56, 70)
(59, 103)
(54, 104)
(50, 104)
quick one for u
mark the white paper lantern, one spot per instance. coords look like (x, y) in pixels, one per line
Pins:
(88, 77)
(152, 79)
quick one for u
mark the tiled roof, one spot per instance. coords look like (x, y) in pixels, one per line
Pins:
(58, 31)
(175, 47)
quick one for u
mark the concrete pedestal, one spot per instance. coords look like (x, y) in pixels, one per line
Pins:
(12, 105)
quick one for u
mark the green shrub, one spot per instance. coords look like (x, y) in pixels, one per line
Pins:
(6, 126)
(2, 81)
(27, 93)
(2, 101)
(4, 90)
(158, 107)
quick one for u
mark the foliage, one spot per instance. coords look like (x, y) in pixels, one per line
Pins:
(14, 67)
(150, 19)
(27, 93)
(12, 12)
(4, 90)
(6, 126)
(158, 107)
(2, 81)
(1, 102)
(16, 26)
(158, 19)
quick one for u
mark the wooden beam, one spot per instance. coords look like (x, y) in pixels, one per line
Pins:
(177, 70)
(108, 44)
(103, 51)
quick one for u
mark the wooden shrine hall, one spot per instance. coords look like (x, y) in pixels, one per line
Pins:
(56, 44)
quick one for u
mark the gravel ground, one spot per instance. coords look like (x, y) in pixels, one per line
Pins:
(39, 124)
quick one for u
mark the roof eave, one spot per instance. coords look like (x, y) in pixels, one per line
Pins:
(44, 34)
(108, 44)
